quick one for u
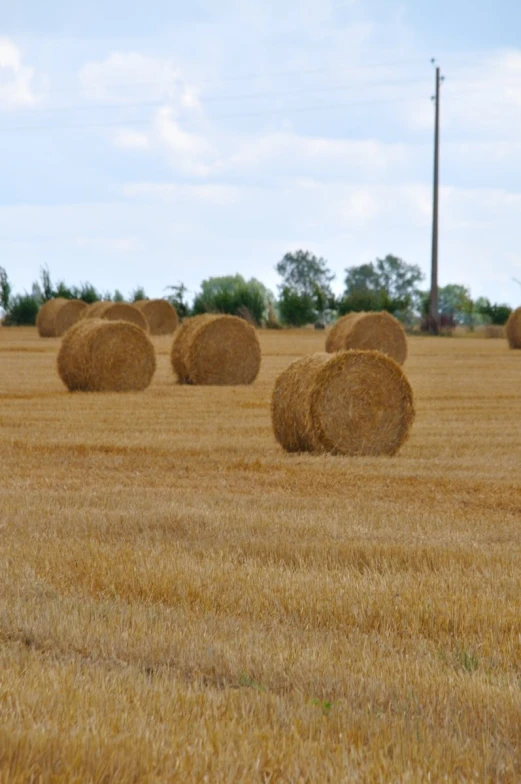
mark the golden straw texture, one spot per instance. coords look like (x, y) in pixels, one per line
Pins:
(56, 316)
(117, 311)
(371, 331)
(216, 350)
(97, 355)
(161, 317)
(513, 329)
(349, 403)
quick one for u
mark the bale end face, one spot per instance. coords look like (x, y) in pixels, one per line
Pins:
(97, 355)
(369, 331)
(46, 317)
(161, 317)
(216, 350)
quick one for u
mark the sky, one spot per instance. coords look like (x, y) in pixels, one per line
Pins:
(163, 142)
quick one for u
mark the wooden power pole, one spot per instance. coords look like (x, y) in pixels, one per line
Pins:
(433, 302)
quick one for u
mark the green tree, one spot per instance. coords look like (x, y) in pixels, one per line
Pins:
(22, 310)
(5, 289)
(46, 287)
(455, 300)
(296, 310)
(137, 294)
(386, 284)
(87, 293)
(492, 313)
(305, 292)
(234, 295)
(178, 300)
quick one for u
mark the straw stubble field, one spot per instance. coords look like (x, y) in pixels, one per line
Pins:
(182, 601)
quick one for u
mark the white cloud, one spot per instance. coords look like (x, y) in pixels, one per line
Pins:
(177, 234)
(111, 244)
(131, 140)
(188, 152)
(483, 98)
(17, 88)
(127, 77)
(360, 207)
(218, 195)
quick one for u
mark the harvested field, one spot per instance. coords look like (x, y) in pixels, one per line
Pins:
(182, 599)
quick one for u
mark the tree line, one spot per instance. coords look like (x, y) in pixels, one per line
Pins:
(304, 295)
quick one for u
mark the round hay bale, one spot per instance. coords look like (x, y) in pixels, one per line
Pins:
(93, 308)
(57, 315)
(216, 350)
(513, 329)
(161, 317)
(371, 331)
(117, 311)
(97, 355)
(348, 403)
(333, 338)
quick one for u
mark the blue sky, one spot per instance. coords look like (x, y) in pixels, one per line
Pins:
(147, 144)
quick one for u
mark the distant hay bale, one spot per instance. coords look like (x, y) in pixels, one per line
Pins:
(216, 349)
(93, 308)
(117, 311)
(371, 331)
(56, 316)
(349, 403)
(333, 337)
(513, 329)
(97, 355)
(161, 317)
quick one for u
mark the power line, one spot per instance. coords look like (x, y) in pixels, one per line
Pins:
(238, 115)
(224, 98)
(259, 75)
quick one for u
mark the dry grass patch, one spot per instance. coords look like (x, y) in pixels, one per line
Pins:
(183, 600)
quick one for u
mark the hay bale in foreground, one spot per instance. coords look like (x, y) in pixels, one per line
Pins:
(216, 349)
(56, 316)
(348, 403)
(161, 317)
(116, 311)
(371, 331)
(513, 329)
(97, 355)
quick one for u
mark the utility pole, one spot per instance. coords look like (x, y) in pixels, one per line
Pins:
(433, 302)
